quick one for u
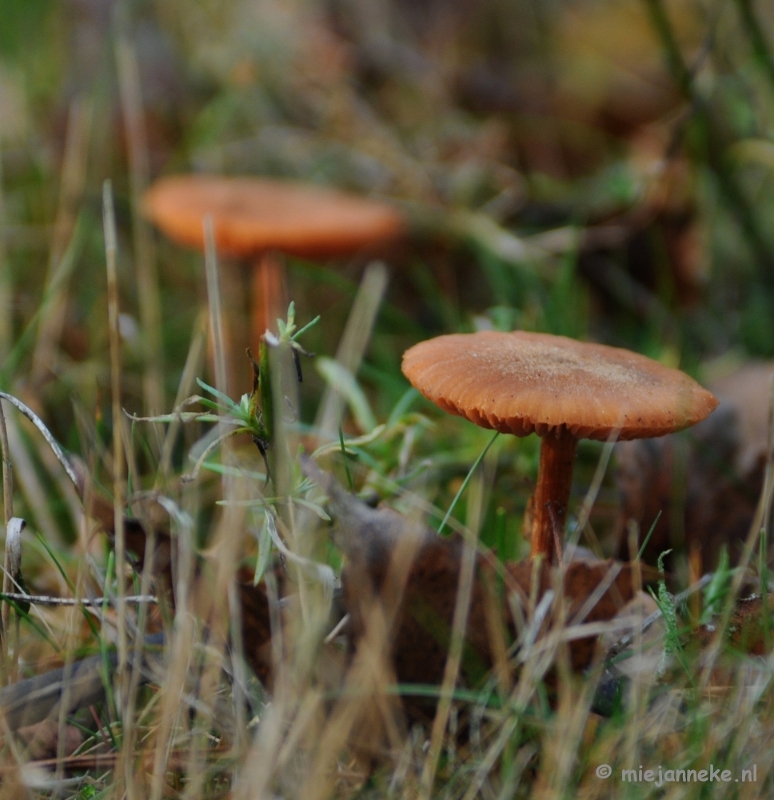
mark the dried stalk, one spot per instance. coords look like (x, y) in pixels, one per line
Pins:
(352, 346)
(111, 251)
(6, 284)
(148, 295)
(60, 264)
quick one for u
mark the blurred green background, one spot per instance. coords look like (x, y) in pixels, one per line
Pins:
(598, 169)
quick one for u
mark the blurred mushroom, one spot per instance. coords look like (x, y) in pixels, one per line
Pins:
(561, 389)
(256, 217)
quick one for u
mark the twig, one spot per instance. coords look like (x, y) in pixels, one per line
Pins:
(97, 602)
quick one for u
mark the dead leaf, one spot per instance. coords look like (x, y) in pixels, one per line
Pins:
(422, 619)
(750, 627)
(693, 480)
(41, 740)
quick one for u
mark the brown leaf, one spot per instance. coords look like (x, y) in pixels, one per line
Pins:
(696, 481)
(42, 739)
(750, 627)
(422, 614)
(256, 625)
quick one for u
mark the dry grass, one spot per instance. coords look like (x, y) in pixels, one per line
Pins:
(541, 195)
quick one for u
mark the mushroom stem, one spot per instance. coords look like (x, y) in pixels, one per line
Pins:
(552, 494)
(268, 296)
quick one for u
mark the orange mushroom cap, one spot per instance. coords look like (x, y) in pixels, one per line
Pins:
(522, 383)
(252, 215)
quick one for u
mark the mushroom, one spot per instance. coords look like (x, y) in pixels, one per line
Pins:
(254, 217)
(559, 388)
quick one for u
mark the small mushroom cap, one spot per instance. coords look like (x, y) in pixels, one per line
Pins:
(252, 215)
(523, 382)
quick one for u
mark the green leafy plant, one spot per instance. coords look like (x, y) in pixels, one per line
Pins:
(253, 414)
(673, 647)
